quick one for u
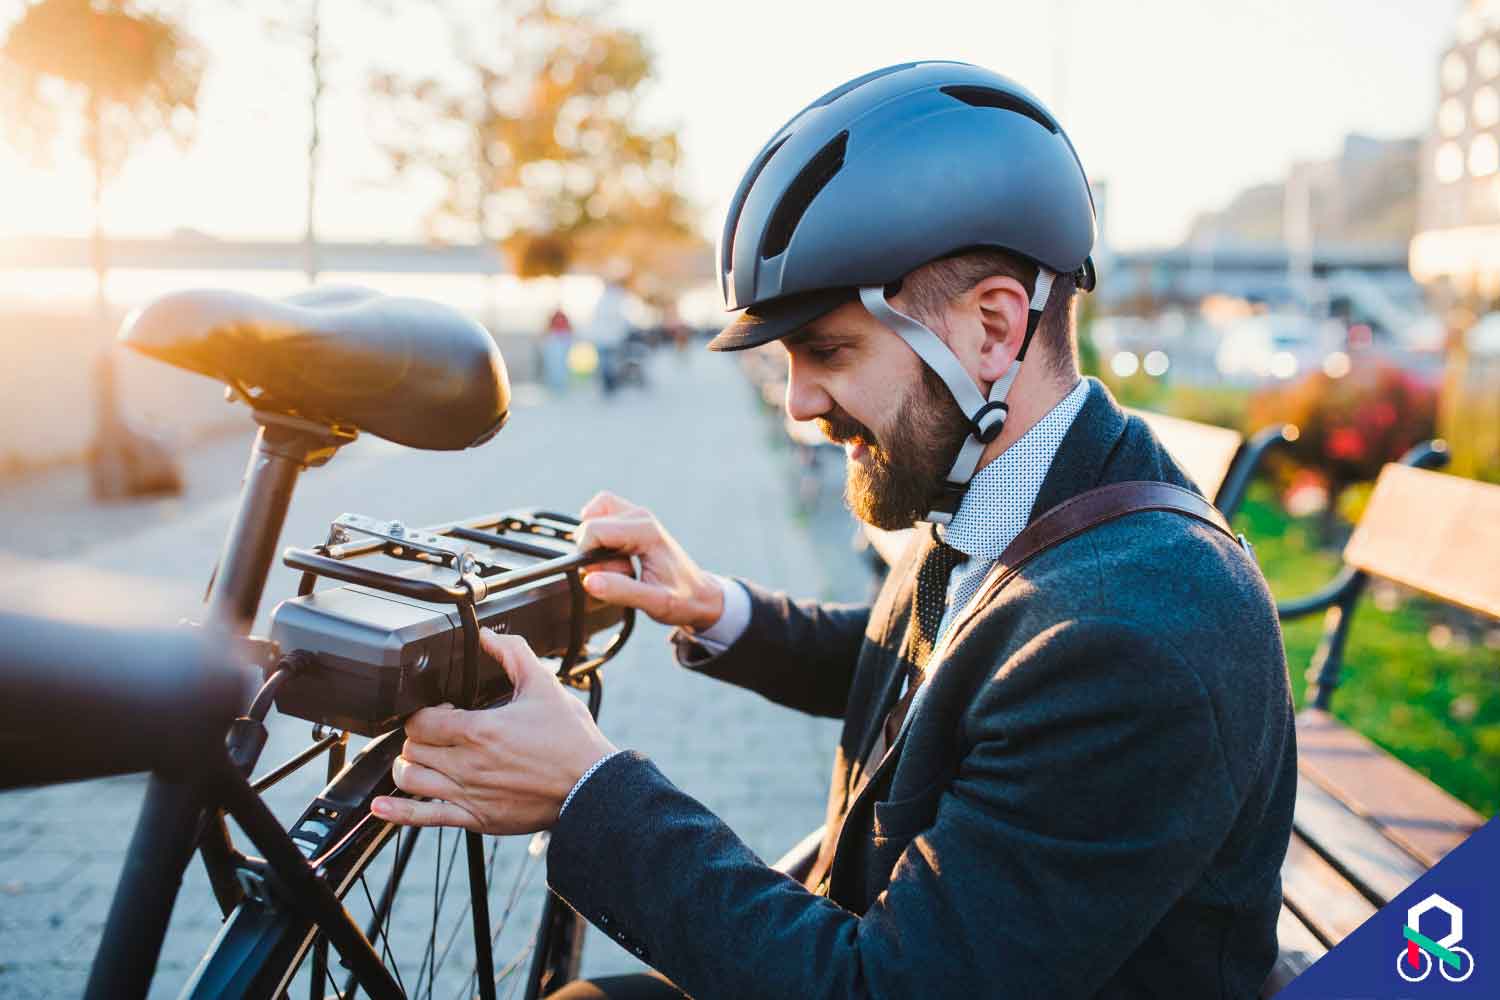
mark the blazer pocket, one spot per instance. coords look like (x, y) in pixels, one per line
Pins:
(905, 818)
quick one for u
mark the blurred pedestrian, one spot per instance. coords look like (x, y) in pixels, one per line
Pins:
(557, 340)
(609, 329)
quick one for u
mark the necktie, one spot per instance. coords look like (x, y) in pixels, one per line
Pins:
(929, 602)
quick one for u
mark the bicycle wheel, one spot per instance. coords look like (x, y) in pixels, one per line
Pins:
(409, 890)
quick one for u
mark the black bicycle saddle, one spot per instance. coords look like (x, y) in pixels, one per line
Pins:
(408, 370)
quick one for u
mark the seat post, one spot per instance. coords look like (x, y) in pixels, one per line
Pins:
(283, 448)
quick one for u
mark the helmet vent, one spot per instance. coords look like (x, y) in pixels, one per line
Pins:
(733, 222)
(988, 97)
(800, 194)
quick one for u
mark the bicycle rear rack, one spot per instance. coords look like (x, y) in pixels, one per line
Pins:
(519, 569)
(479, 554)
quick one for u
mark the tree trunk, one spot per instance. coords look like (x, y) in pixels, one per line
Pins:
(98, 251)
(310, 237)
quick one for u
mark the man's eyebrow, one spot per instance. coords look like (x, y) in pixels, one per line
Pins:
(809, 334)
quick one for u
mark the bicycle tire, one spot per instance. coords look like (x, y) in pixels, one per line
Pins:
(265, 949)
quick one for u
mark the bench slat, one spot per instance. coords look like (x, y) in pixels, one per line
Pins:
(1297, 948)
(1357, 849)
(1327, 902)
(1435, 532)
(1409, 809)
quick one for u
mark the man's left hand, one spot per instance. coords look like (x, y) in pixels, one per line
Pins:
(501, 770)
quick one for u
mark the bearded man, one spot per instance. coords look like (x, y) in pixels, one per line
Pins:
(1067, 767)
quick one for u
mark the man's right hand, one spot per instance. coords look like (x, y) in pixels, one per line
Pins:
(672, 589)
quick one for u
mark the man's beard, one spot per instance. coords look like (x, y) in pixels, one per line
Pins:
(898, 479)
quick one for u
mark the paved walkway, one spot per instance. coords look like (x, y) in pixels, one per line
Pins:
(693, 447)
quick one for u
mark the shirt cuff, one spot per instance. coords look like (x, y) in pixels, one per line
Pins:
(586, 776)
(718, 637)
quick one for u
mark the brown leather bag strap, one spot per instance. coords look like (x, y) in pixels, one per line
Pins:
(1106, 503)
(1068, 519)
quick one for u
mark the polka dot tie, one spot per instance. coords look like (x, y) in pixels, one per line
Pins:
(929, 602)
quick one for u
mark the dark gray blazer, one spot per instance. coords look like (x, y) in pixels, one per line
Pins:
(1092, 798)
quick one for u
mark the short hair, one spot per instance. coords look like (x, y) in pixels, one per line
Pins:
(931, 288)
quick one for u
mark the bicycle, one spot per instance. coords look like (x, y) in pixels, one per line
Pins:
(358, 657)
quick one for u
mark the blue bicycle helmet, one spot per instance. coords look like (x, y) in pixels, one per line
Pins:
(890, 171)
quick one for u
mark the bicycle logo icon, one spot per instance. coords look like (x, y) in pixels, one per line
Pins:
(1414, 962)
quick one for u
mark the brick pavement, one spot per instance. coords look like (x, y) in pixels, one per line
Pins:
(693, 448)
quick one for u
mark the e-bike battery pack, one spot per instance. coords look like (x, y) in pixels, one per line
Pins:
(378, 657)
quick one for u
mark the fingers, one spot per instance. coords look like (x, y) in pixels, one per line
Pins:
(419, 779)
(452, 761)
(410, 812)
(605, 503)
(616, 588)
(514, 654)
(441, 725)
(632, 533)
(610, 566)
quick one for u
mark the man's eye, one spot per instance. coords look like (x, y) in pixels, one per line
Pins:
(823, 353)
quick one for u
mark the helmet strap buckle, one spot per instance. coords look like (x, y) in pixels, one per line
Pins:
(985, 427)
(946, 501)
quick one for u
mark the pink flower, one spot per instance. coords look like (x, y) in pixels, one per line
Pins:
(1345, 444)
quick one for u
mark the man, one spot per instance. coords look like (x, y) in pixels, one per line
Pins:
(1071, 778)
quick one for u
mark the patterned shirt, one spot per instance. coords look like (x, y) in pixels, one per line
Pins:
(999, 501)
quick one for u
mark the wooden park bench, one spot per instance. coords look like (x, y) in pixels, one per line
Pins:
(1366, 825)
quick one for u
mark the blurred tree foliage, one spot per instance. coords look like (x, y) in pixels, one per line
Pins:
(534, 133)
(1351, 426)
(127, 74)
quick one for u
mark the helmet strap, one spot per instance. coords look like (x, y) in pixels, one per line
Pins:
(986, 415)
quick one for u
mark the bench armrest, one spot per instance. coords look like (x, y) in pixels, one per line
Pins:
(1232, 491)
(1346, 587)
(798, 861)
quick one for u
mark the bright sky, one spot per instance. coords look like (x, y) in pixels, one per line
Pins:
(1177, 104)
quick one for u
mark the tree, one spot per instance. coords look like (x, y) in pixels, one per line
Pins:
(538, 145)
(126, 73)
(302, 22)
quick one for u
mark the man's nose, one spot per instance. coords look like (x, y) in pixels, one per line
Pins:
(805, 398)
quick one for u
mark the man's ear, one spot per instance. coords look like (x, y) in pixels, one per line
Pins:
(1001, 304)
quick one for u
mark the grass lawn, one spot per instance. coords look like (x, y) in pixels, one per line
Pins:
(1437, 709)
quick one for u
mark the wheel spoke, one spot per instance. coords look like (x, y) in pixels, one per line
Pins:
(329, 974)
(441, 877)
(516, 963)
(381, 928)
(535, 849)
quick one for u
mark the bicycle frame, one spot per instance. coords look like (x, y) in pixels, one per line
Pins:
(172, 817)
(182, 816)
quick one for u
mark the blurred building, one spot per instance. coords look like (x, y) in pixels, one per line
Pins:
(1366, 195)
(1352, 214)
(1458, 235)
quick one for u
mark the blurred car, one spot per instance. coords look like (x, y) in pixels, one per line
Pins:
(1278, 345)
